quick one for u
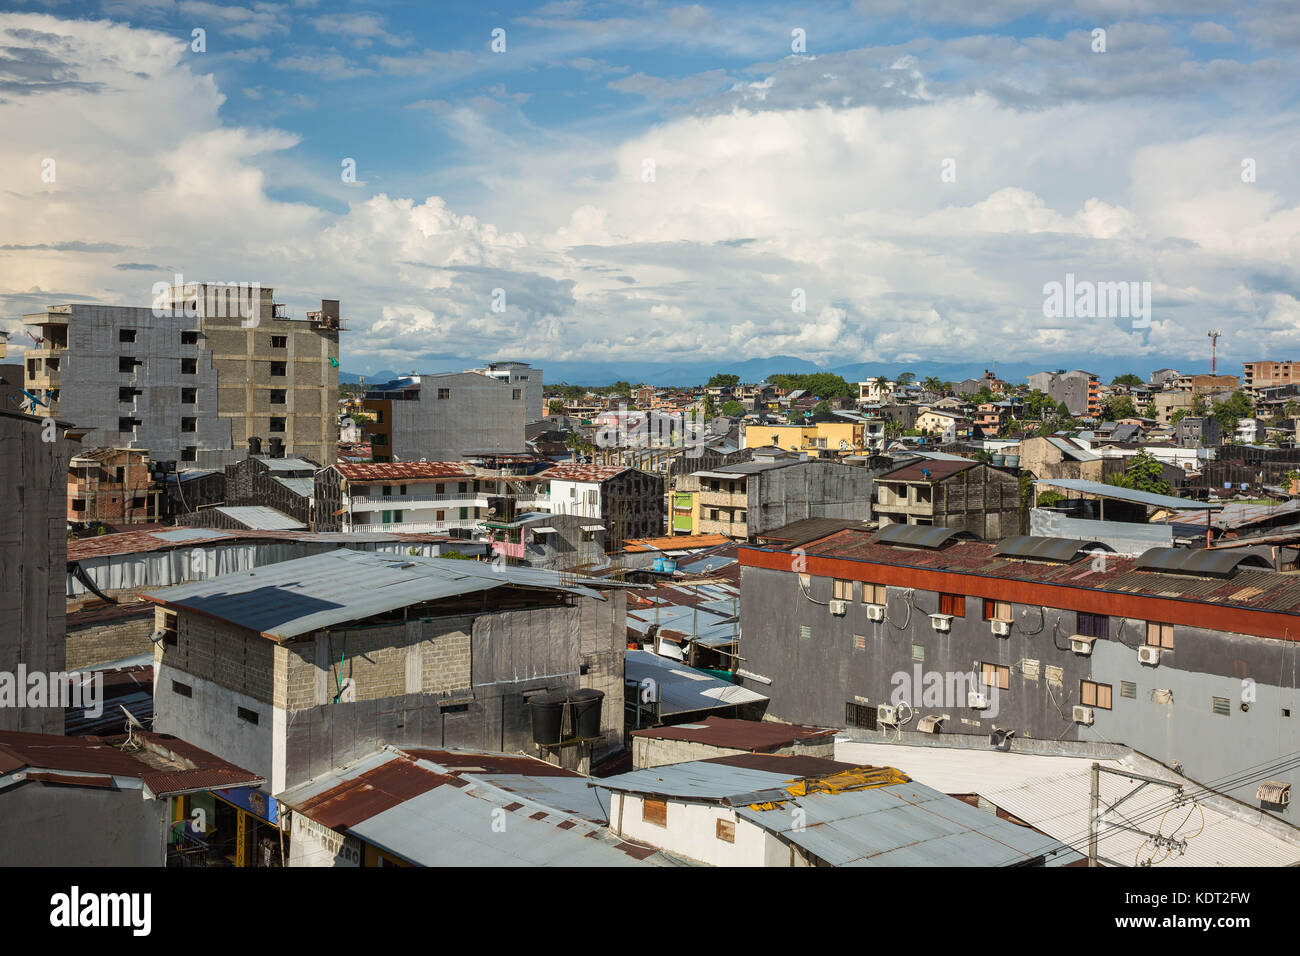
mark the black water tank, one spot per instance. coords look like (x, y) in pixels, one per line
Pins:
(254, 445)
(584, 712)
(277, 447)
(546, 711)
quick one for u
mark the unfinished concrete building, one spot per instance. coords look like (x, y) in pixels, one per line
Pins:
(954, 493)
(192, 377)
(34, 455)
(446, 417)
(111, 486)
(777, 488)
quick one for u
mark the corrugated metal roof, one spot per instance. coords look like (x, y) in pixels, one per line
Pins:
(289, 464)
(590, 473)
(303, 487)
(1045, 549)
(189, 534)
(683, 689)
(292, 598)
(398, 470)
(907, 824)
(1051, 793)
(1102, 490)
(411, 808)
(260, 518)
(1257, 590)
(752, 735)
(1071, 450)
(929, 470)
(903, 824)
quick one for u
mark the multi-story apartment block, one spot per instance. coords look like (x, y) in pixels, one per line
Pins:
(421, 496)
(1257, 375)
(192, 378)
(446, 417)
(1181, 654)
(1079, 390)
(520, 374)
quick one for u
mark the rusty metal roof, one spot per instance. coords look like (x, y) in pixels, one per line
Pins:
(751, 735)
(165, 765)
(928, 470)
(403, 470)
(593, 473)
(139, 542)
(1256, 590)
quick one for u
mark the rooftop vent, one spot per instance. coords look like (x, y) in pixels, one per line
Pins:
(931, 537)
(1054, 550)
(1201, 563)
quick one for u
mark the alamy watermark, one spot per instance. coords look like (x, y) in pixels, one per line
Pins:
(220, 300)
(633, 428)
(61, 689)
(944, 689)
(1084, 299)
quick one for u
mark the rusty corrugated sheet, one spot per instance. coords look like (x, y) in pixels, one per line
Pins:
(370, 793)
(403, 470)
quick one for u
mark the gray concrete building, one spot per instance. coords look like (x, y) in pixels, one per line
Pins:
(192, 377)
(778, 488)
(520, 374)
(954, 493)
(1183, 655)
(446, 417)
(295, 668)
(1079, 390)
(34, 454)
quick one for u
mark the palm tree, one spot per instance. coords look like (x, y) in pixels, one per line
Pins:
(934, 384)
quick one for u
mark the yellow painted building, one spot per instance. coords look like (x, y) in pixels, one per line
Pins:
(819, 440)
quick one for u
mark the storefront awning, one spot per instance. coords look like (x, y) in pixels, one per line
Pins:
(593, 527)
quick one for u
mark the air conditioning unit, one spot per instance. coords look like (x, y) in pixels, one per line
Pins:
(1002, 628)
(839, 608)
(887, 714)
(976, 701)
(1148, 655)
(1082, 715)
(931, 724)
(941, 622)
(1081, 644)
(875, 612)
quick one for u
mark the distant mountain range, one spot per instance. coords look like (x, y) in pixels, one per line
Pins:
(755, 370)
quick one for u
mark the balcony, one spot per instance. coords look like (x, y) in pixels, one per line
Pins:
(466, 499)
(417, 527)
(724, 499)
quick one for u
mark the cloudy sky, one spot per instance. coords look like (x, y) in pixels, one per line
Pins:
(652, 181)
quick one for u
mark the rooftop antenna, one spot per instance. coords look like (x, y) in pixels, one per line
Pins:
(1214, 351)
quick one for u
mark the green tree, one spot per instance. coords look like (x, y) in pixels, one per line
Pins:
(822, 408)
(724, 380)
(733, 409)
(1226, 413)
(1117, 407)
(934, 384)
(1144, 473)
(905, 378)
(710, 408)
(1063, 411)
(1128, 378)
(1200, 407)
(556, 406)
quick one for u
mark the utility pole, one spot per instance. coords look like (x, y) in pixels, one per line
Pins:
(1214, 351)
(1094, 804)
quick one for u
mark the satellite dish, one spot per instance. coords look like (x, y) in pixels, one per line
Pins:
(132, 720)
(157, 635)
